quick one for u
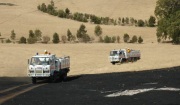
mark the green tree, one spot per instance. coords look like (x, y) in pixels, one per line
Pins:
(31, 34)
(55, 38)
(127, 20)
(13, 35)
(38, 34)
(61, 14)
(134, 39)
(168, 15)
(126, 37)
(32, 38)
(52, 3)
(50, 9)
(43, 7)
(69, 35)
(118, 39)
(140, 23)
(67, 11)
(123, 20)
(98, 30)
(140, 40)
(132, 20)
(22, 40)
(39, 7)
(151, 21)
(81, 32)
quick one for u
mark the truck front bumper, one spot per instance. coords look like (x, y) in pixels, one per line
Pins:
(38, 74)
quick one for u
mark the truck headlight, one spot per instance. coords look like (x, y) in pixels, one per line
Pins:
(31, 71)
(45, 71)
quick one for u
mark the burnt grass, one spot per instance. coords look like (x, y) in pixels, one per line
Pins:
(92, 89)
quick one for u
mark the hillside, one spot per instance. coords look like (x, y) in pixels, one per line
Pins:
(24, 16)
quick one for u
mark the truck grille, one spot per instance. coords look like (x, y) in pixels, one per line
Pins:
(38, 71)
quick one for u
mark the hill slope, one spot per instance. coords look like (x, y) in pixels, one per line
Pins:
(24, 16)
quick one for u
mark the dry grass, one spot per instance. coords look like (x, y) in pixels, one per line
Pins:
(85, 58)
(89, 58)
(24, 16)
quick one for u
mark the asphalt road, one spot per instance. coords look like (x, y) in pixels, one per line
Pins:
(152, 87)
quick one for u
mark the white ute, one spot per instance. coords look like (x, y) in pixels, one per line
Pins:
(48, 66)
(124, 55)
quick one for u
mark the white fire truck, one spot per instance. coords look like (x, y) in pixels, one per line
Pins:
(48, 66)
(124, 55)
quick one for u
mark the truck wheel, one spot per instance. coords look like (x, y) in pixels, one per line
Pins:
(34, 80)
(113, 63)
(64, 77)
(54, 77)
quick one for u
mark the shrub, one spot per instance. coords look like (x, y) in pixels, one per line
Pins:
(31, 40)
(73, 38)
(64, 38)
(140, 40)
(22, 40)
(107, 39)
(2, 41)
(101, 39)
(158, 40)
(118, 39)
(113, 39)
(8, 41)
(126, 37)
(86, 38)
(45, 39)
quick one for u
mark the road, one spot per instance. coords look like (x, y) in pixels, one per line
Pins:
(151, 87)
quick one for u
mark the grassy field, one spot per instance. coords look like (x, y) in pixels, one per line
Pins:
(89, 58)
(85, 58)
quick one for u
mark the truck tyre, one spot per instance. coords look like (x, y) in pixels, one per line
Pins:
(113, 63)
(34, 80)
(54, 77)
(64, 77)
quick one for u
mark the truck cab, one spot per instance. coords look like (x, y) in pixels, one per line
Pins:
(116, 56)
(48, 66)
(124, 55)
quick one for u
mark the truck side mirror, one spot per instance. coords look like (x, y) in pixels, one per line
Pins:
(28, 61)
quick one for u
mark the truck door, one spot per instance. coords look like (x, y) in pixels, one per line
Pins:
(57, 65)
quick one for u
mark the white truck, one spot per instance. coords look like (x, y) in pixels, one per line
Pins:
(48, 66)
(124, 55)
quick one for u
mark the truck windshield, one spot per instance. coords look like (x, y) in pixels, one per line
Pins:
(113, 53)
(39, 61)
